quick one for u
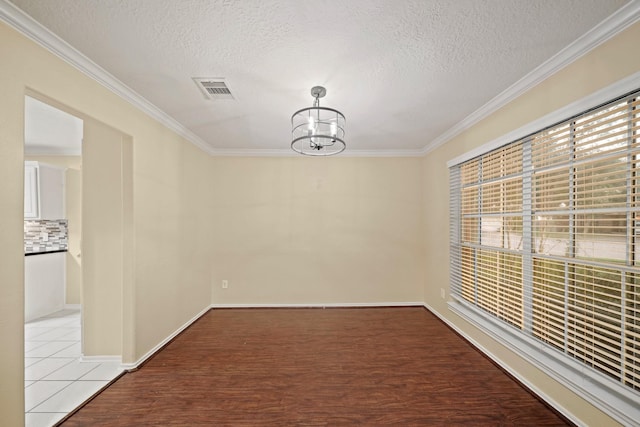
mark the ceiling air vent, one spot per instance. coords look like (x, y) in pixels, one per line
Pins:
(213, 88)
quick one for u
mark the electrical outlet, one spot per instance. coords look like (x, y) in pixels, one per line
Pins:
(442, 292)
(225, 284)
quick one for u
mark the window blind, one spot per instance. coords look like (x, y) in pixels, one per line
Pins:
(543, 236)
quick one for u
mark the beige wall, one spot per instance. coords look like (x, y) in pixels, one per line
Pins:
(11, 230)
(73, 190)
(301, 230)
(103, 239)
(172, 219)
(73, 213)
(171, 260)
(603, 66)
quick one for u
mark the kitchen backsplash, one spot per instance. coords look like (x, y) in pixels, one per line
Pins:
(45, 235)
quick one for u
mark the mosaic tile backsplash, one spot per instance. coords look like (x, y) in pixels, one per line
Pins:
(45, 235)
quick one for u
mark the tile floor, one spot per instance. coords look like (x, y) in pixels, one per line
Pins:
(55, 380)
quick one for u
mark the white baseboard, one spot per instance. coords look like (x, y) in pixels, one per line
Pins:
(322, 305)
(101, 359)
(551, 402)
(134, 365)
(72, 306)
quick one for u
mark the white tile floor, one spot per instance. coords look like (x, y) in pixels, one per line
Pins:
(55, 380)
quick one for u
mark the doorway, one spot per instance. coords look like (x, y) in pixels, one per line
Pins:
(52, 263)
(98, 186)
(53, 224)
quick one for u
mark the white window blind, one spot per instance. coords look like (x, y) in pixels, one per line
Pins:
(543, 238)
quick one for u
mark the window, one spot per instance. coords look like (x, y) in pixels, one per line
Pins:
(543, 241)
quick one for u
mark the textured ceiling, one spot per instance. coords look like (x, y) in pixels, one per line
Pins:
(403, 72)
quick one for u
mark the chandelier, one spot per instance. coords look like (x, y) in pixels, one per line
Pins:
(318, 131)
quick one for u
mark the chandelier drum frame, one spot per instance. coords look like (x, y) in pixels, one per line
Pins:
(318, 131)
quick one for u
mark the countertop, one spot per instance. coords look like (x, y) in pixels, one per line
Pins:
(44, 252)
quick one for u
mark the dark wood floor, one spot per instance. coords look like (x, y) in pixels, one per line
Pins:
(316, 367)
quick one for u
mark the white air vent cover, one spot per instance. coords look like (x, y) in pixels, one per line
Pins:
(213, 88)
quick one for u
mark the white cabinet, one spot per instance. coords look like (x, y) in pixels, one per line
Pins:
(51, 190)
(43, 191)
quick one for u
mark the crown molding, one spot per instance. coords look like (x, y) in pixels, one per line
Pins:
(283, 152)
(382, 153)
(605, 30)
(32, 29)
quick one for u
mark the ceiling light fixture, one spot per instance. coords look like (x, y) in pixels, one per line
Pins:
(318, 131)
